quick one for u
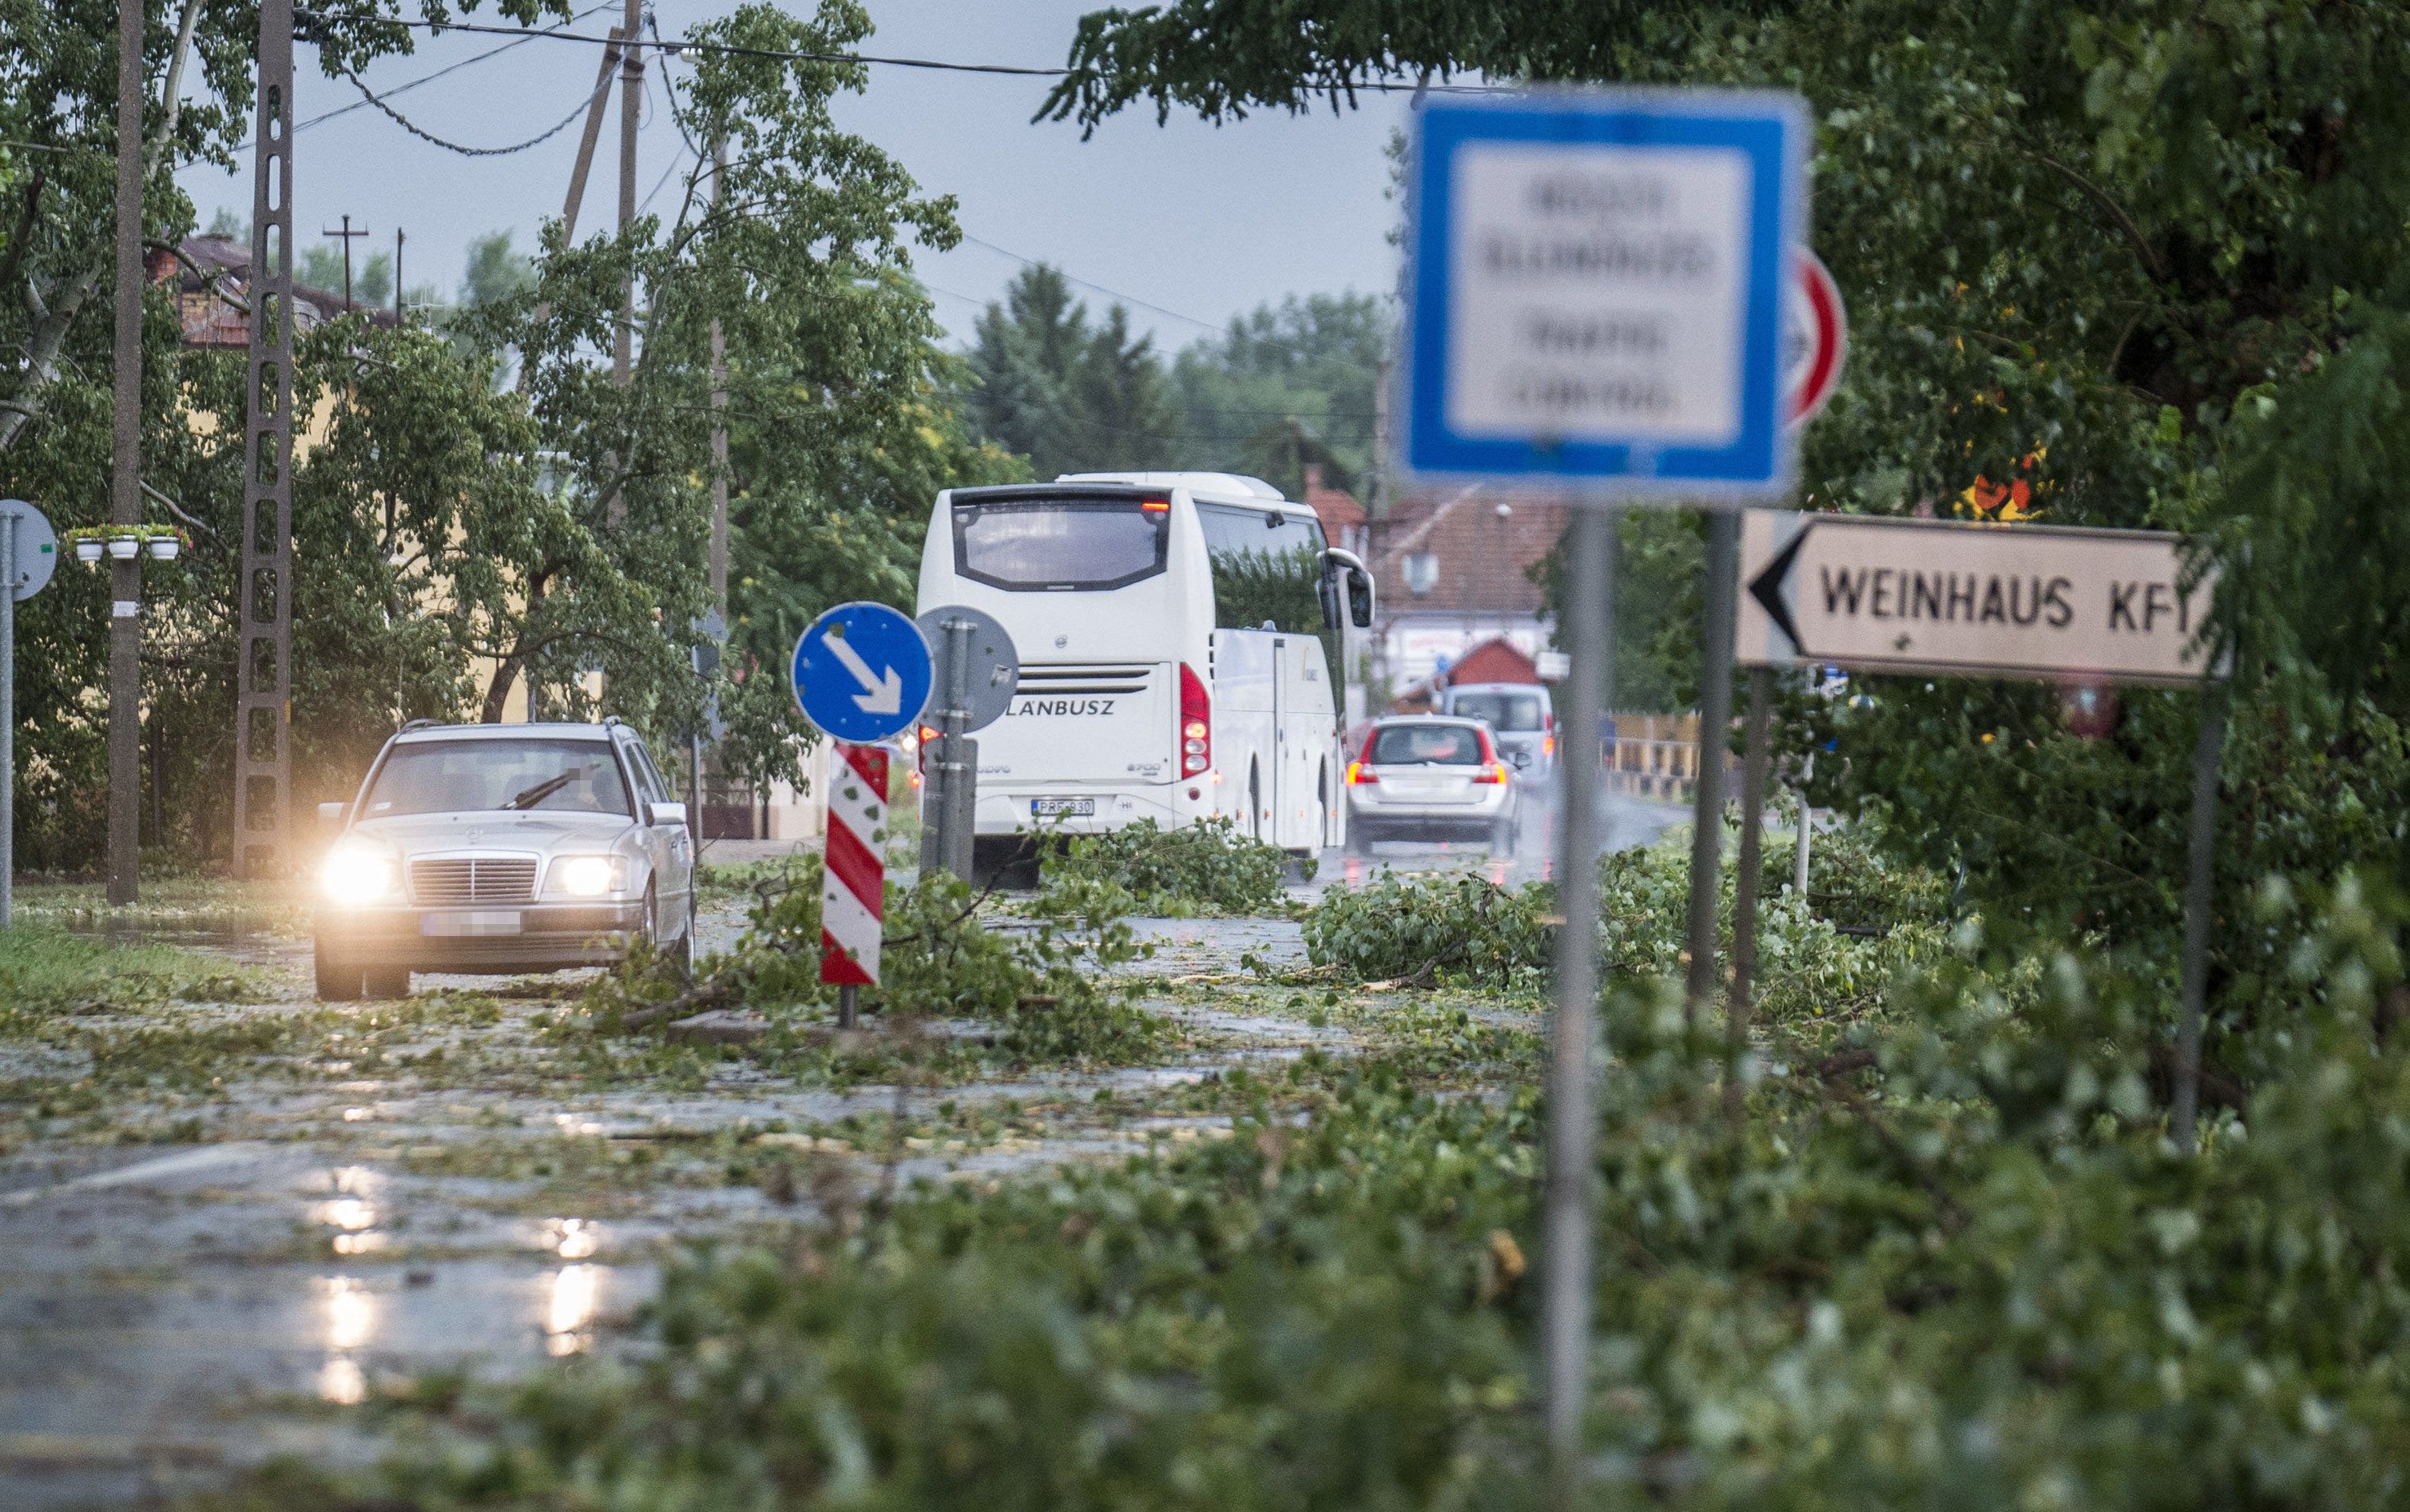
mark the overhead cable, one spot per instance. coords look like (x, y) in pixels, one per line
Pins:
(428, 79)
(686, 45)
(423, 133)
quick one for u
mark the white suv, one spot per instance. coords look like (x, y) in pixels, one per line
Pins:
(501, 848)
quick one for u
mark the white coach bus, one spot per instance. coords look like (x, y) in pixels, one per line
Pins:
(1181, 639)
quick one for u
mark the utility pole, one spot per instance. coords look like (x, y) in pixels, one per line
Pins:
(397, 274)
(623, 340)
(346, 234)
(1376, 500)
(719, 419)
(263, 762)
(126, 477)
(632, 97)
(717, 562)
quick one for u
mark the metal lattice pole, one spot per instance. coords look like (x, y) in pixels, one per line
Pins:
(263, 759)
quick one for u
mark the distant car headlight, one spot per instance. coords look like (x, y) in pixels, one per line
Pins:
(589, 876)
(353, 874)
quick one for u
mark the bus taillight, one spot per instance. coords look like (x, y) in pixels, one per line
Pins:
(1195, 723)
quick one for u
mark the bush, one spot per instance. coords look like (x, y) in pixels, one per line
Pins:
(1205, 869)
(1046, 988)
(1966, 1268)
(1421, 928)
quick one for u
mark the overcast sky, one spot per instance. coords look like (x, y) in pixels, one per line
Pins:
(1201, 221)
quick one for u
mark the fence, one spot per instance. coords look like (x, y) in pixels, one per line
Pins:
(1654, 755)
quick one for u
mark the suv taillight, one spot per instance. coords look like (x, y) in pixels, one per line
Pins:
(1195, 723)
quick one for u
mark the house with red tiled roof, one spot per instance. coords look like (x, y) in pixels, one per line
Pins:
(213, 278)
(1343, 520)
(1455, 571)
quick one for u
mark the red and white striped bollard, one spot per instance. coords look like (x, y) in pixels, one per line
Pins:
(854, 874)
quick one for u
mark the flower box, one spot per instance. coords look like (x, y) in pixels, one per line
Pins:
(125, 547)
(164, 547)
(87, 549)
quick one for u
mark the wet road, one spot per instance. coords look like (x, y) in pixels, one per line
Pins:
(332, 1227)
(1629, 822)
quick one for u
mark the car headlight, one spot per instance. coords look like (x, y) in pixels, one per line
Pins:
(590, 875)
(353, 874)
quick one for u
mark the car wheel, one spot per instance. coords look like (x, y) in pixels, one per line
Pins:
(387, 984)
(338, 982)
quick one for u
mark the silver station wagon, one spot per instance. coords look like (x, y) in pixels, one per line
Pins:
(501, 848)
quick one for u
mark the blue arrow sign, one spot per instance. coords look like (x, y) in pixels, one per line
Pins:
(861, 672)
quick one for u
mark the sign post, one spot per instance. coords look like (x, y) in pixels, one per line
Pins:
(978, 668)
(28, 554)
(1877, 594)
(1599, 289)
(853, 876)
(861, 673)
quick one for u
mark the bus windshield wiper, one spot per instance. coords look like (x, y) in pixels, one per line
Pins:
(542, 790)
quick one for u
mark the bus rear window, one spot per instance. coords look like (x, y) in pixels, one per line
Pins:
(1038, 545)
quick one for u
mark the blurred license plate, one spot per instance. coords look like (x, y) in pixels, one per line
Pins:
(484, 921)
(1042, 806)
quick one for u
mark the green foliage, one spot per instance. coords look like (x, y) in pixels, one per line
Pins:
(1070, 396)
(1204, 868)
(46, 972)
(1285, 388)
(460, 542)
(1963, 1268)
(1432, 926)
(1046, 989)
(2133, 265)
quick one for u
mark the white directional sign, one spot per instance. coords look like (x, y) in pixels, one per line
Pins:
(1600, 281)
(1903, 595)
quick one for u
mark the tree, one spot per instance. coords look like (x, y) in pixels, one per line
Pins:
(1287, 385)
(833, 385)
(2146, 259)
(494, 272)
(456, 540)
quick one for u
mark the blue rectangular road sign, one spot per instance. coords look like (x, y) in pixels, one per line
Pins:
(1598, 284)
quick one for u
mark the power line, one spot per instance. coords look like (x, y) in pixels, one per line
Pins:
(1099, 288)
(1218, 329)
(646, 203)
(428, 79)
(685, 45)
(423, 133)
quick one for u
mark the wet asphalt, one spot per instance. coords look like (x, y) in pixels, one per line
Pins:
(165, 1310)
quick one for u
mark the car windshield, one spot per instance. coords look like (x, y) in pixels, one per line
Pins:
(1504, 711)
(452, 776)
(1438, 745)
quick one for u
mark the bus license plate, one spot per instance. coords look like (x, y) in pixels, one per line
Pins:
(1040, 808)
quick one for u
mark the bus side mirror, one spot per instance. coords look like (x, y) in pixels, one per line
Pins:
(331, 816)
(1345, 588)
(1359, 598)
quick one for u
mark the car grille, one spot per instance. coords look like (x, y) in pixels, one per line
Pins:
(459, 880)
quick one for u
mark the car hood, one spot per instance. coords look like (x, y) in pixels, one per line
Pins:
(492, 830)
